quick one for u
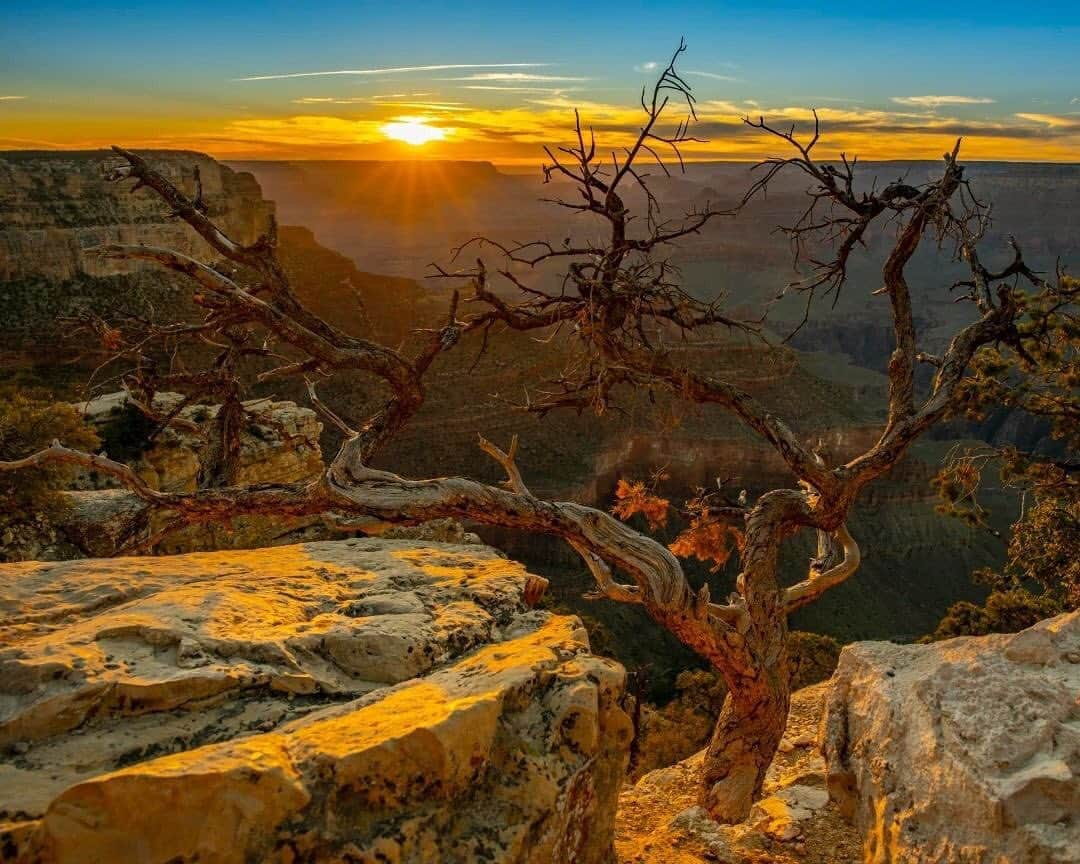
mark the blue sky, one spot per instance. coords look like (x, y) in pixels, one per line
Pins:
(82, 73)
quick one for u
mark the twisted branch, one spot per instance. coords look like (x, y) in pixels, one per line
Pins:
(820, 581)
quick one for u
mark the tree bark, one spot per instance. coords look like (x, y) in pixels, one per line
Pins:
(754, 715)
(743, 745)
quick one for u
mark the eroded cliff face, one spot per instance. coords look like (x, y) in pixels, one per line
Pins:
(368, 700)
(53, 205)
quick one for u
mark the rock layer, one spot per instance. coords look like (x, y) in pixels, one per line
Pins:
(55, 204)
(279, 443)
(961, 752)
(366, 700)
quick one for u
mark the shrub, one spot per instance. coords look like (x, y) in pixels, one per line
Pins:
(29, 421)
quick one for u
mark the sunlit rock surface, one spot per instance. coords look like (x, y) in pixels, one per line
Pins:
(55, 204)
(961, 752)
(359, 698)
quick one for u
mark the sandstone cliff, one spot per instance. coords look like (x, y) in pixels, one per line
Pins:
(361, 700)
(54, 204)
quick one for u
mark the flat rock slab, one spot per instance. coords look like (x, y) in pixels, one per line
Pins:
(300, 698)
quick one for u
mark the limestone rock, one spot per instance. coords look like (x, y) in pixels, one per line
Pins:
(961, 751)
(368, 700)
(279, 444)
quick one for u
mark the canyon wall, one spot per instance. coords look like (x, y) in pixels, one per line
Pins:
(55, 204)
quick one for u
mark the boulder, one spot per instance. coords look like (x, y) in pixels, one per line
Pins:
(363, 700)
(960, 752)
(279, 443)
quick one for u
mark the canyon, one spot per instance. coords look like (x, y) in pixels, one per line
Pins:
(407, 698)
(826, 395)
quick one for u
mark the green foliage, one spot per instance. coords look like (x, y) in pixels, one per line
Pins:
(1038, 373)
(1005, 611)
(1044, 548)
(29, 421)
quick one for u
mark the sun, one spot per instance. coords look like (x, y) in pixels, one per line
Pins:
(412, 130)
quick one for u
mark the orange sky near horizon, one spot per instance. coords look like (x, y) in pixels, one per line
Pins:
(516, 135)
(495, 81)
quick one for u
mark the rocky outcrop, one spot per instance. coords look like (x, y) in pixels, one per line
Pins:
(279, 443)
(364, 700)
(960, 752)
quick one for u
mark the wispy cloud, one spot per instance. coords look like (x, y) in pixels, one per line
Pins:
(713, 75)
(648, 66)
(388, 100)
(514, 134)
(389, 70)
(1069, 122)
(11, 98)
(513, 76)
(935, 101)
(505, 89)
(427, 106)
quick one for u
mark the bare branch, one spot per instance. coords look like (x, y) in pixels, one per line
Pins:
(821, 581)
(338, 423)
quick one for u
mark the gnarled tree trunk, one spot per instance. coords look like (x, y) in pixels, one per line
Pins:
(754, 715)
(615, 292)
(743, 745)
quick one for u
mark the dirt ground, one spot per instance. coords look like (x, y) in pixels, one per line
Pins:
(659, 821)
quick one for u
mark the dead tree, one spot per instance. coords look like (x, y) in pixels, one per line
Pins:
(619, 298)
